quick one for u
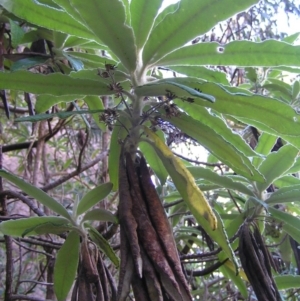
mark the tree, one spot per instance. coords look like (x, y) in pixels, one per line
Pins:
(121, 51)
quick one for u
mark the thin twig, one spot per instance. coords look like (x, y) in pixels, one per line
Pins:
(33, 250)
(197, 162)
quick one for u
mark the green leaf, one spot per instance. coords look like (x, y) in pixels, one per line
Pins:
(217, 145)
(16, 33)
(66, 266)
(143, 13)
(264, 146)
(269, 114)
(48, 227)
(285, 282)
(107, 21)
(203, 73)
(46, 16)
(287, 181)
(19, 227)
(285, 195)
(291, 222)
(295, 168)
(181, 87)
(236, 279)
(276, 164)
(154, 161)
(54, 84)
(91, 60)
(192, 18)
(45, 102)
(104, 246)
(219, 126)
(221, 180)
(100, 215)
(28, 63)
(36, 193)
(61, 115)
(95, 103)
(295, 89)
(237, 53)
(93, 197)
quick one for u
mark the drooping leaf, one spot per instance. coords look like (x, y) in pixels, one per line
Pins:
(219, 126)
(106, 19)
(54, 84)
(143, 13)
(104, 246)
(278, 119)
(46, 16)
(29, 62)
(154, 161)
(285, 195)
(222, 181)
(237, 53)
(192, 18)
(66, 266)
(36, 193)
(276, 164)
(93, 197)
(236, 279)
(19, 227)
(217, 145)
(184, 182)
(100, 215)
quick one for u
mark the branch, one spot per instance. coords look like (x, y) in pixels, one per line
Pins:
(74, 173)
(198, 162)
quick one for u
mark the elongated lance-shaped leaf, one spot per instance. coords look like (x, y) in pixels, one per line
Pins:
(180, 87)
(45, 102)
(219, 126)
(54, 84)
(237, 53)
(192, 18)
(202, 73)
(285, 195)
(20, 226)
(66, 266)
(264, 146)
(143, 13)
(106, 18)
(93, 197)
(104, 246)
(217, 145)
(222, 181)
(48, 17)
(277, 117)
(61, 115)
(285, 282)
(36, 193)
(276, 164)
(183, 181)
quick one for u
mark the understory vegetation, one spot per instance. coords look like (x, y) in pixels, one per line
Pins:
(149, 151)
